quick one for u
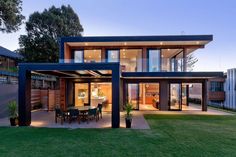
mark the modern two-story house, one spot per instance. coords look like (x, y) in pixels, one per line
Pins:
(148, 71)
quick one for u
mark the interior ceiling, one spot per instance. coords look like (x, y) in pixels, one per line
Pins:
(131, 53)
(92, 54)
(146, 43)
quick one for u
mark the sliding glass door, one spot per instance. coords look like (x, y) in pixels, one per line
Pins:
(81, 94)
(175, 96)
(133, 95)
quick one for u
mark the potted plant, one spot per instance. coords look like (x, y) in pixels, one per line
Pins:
(13, 115)
(128, 115)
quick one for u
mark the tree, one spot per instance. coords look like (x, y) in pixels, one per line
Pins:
(10, 15)
(191, 60)
(41, 43)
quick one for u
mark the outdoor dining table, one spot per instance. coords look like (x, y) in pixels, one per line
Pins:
(83, 110)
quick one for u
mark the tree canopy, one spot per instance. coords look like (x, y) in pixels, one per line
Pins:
(10, 15)
(41, 43)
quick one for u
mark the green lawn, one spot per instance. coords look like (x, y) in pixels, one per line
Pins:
(170, 135)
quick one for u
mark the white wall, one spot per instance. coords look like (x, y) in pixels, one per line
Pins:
(230, 89)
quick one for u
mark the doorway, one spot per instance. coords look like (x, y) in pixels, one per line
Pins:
(143, 96)
(175, 100)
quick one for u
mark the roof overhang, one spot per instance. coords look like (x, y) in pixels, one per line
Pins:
(187, 40)
(172, 75)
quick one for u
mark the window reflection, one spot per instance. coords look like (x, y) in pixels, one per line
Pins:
(78, 56)
(113, 55)
(154, 60)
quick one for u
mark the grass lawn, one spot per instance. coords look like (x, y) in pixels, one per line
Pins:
(170, 135)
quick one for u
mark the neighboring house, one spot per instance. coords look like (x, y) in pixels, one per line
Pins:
(148, 71)
(9, 79)
(215, 93)
(8, 65)
(8, 59)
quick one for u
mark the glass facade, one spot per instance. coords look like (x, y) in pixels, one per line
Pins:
(131, 60)
(81, 94)
(78, 56)
(175, 96)
(113, 55)
(154, 60)
(134, 60)
(92, 56)
(133, 96)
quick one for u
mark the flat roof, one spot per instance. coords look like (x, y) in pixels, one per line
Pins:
(138, 38)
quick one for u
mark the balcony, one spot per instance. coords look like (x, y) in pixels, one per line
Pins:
(137, 65)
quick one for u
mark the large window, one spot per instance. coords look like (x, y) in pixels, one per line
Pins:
(154, 60)
(179, 59)
(78, 56)
(175, 96)
(81, 94)
(131, 60)
(112, 55)
(92, 56)
(216, 86)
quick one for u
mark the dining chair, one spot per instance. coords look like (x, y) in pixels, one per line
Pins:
(99, 110)
(59, 114)
(92, 114)
(74, 114)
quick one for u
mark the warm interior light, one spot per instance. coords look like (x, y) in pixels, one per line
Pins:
(161, 43)
(125, 43)
(86, 44)
(168, 49)
(89, 56)
(197, 42)
(123, 49)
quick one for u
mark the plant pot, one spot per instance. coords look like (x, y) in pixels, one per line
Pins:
(13, 121)
(128, 122)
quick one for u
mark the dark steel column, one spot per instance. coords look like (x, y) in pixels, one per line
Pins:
(115, 117)
(187, 95)
(184, 60)
(204, 95)
(24, 97)
(144, 60)
(164, 95)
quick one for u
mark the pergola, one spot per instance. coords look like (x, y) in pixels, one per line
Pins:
(25, 70)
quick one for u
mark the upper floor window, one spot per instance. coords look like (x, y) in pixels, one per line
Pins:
(131, 60)
(78, 56)
(154, 60)
(216, 86)
(92, 56)
(113, 55)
